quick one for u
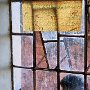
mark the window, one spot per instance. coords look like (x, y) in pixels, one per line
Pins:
(43, 49)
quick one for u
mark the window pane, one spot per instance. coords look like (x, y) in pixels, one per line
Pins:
(71, 81)
(69, 15)
(23, 79)
(23, 51)
(82, 28)
(49, 35)
(27, 16)
(51, 52)
(45, 16)
(41, 60)
(44, 20)
(40, 23)
(27, 51)
(15, 6)
(88, 21)
(21, 19)
(46, 80)
(72, 53)
(88, 54)
(88, 82)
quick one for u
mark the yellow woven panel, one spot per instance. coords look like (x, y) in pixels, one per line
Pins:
(45, 20)
(69, 15)
(27, 16)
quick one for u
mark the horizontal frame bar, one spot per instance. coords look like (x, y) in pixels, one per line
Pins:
(28, 34)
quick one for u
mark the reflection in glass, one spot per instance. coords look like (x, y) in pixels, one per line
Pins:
(49, 35)
(23, 51)
(82, 30)
(23, 79)
(71, 81)
(41, 60)
(16, 17)
(46, 80)
(88, 39)
(69, 14)
(88, 82)
(88, 21)
(21, 20)
(51, 53)
(27, 16)
(45, 20)
(72, 53)
(88, 54)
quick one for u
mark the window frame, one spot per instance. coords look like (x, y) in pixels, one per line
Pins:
(58, 70)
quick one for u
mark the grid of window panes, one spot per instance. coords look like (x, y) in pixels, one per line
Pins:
(40, 59)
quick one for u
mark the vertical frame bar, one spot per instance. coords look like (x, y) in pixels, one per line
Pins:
(34, 61)
(58, 51)
(34, 50)
(10, 21)
(58, 66)
(85, 47)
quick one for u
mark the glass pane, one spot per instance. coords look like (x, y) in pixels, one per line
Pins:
(49, 24)
(51, 52)
(21, 18)
(88, 82)
(88, 21)
(27, 51)
(88, 39)
(23, 79)
(27, 16)
(69, 15)
(41, 60)
(44, 20)
(15, 6)
(81, 31)
(23, 51)
(71, 81)
(88, 54)
(72, 53)
(46, 80)
(45, 16)
(49, 35)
